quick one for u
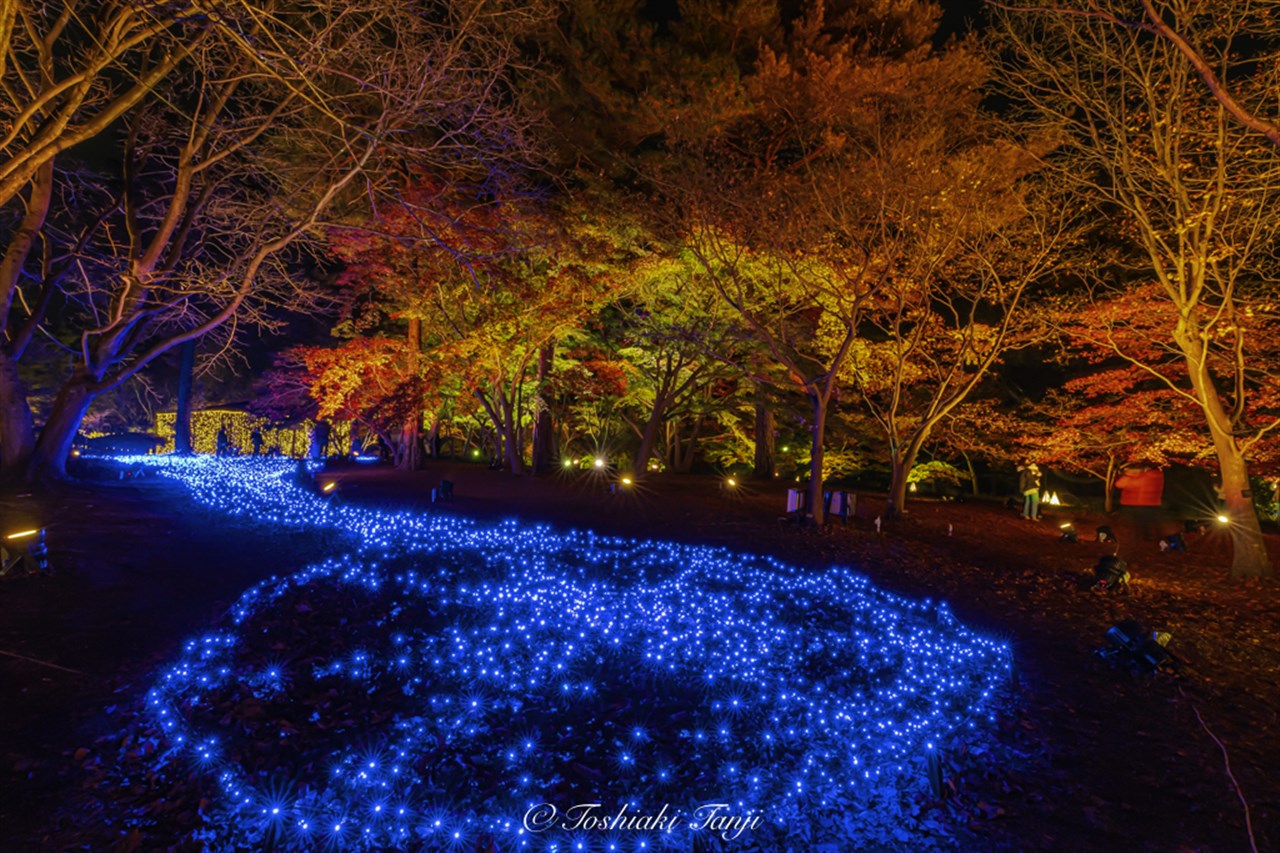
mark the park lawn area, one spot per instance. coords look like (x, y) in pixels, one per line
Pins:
(1087, 755)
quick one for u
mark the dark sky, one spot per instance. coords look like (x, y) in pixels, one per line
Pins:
(959, 16)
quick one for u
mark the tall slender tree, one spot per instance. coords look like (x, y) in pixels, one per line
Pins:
(1192, 193)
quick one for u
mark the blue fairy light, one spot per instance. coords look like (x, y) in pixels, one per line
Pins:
(784, 686)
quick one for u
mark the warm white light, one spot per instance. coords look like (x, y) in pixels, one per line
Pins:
(22, 533)
(1053, 499)
(329, 487)
(731, 482)
(568, 463)
(1222, 519)
(626, 481)
(599, 463)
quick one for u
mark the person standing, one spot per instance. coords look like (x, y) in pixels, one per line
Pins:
(1029, 485)
(1141, 496)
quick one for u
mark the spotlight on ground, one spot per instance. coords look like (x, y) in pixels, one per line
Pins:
(24, 547)
(1131, 644)
(1222, 519)
(1111, 575)
(1068, 533)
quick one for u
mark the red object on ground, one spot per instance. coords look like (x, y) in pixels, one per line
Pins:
(1141, 487)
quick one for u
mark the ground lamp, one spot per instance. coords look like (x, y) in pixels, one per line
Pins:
(24, 547)
(1132, 644)
(1106, 534)
(1174, 542)
(1110, 575)
(1068, 533)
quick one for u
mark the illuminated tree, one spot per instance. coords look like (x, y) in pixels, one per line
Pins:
(1192, 194)
(858, 209)
(955, 302)
(1099, 423)
(69, 70)
(230, 169)
(671, 334)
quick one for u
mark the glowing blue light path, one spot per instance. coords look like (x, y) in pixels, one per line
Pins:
(486, 669)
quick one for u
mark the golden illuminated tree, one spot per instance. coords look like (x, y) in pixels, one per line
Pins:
(866, 222)
(1191, 194)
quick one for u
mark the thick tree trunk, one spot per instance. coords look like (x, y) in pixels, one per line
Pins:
(649, 437)
(501, 412)
(897, 499)
(409, 445)
(17, 432)
(904, 460)
(182, 417)
(544, 450)
(1248, 549)
(515, 460)
(816, 449)
(763, 468)
(49, 461)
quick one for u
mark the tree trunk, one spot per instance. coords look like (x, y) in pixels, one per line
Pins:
(543, 430)
(409, 444)
(1109, 502)
(686, 450)
(49, 461)
(17, 432)
(649, 437)
(433, 439)
(904, 460)
(973, 475)
(182, 415)
(815, 458)
(897, 499)
(511, 437)
(320, 432)
(1248, 549)
(763, 468)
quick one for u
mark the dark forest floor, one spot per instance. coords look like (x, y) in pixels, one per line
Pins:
(1093, 756)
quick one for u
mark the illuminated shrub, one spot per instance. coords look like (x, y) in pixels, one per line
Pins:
(286, 440)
